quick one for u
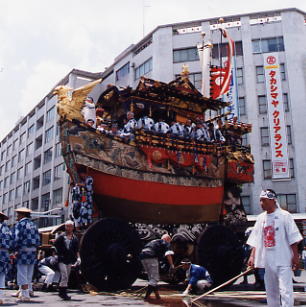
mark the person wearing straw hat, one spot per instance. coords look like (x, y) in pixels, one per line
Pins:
(5, 245)
(26, 239)
(274, 241)
(197, 277)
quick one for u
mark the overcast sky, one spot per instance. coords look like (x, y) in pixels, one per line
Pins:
(42, 40)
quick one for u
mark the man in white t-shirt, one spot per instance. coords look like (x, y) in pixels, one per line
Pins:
(274, 241)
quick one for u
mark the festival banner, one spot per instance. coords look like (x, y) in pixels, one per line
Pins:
(277, 124)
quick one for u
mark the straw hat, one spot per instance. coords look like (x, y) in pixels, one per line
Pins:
(5, 217)
(23, 210)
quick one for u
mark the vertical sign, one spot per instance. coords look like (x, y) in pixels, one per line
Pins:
(278, 134)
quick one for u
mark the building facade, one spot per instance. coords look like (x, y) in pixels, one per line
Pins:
(32, 172)
(161, 54)
(32, 169)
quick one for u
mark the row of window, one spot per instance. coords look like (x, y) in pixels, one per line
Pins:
(46, 179)
(265, 136)
(37, 160)
(38, 142)
(286, 201)
(10, 180)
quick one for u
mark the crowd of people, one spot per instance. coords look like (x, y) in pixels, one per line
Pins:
(199, 131)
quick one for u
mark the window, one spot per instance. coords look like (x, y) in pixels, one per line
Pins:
(22, 138)
(19, 173)
(1, 186)
(37, 162)
(267, 169)
(262, 104)
(45, 200)
(9, 150)
(123, 71)
(13, 161)
(223, 49)
(15, 144)
(286, 102)
(143, 69)
(34, 203)
(46, 177)
(20, 155)
(246, 202)
(1, 170)
(7, 166)
(244, 139)
(57, 196)
(18, 191)
(31, 131)
(264, 136)
(11, 194)
(26, 187)
(30, 149)
(289, 138)
(27, 168)
(4, 201)
(38, 142)
(282, 71)
(2, 155)
(58, 172)
(260, 74)
(195, 78)
(57, 130)
(35, 183)
(48, 135)
(291, 168)
(288, 202)
(39, 123)
(50, 114)
(241, 106)
(58, 151)
(12, 178)
(25, 204)
(6, 181)
(185, 55)
(268, 45)
(48, 155)
(239, 76)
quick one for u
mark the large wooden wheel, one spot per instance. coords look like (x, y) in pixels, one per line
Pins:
(110, 254)
(220, 252)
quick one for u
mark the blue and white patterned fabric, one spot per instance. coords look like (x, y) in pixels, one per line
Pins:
(26, 239)
(5, 244)
(86, 203)
(145, 123)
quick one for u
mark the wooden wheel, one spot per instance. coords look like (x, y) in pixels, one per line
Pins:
(220, 252)
(110, 254)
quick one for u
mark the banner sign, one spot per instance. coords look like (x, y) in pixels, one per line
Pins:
(277, 125)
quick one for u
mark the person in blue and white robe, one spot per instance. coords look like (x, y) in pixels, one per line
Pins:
(5, 246)
(82, 198)
(26, 239)
(146, 123)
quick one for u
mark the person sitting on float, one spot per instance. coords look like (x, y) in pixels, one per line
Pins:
(197, 277)
(176, 130)
(214, 134)
(161, 127)
(128, 129)
(200, 133)
(89, 111)
(188, 129)
(90, 123)
(146, 123)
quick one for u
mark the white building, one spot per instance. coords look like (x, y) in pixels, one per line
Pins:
(31, 166)
(162, 52)
(32, 169)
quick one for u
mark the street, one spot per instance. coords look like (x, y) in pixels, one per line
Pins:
(170, 297)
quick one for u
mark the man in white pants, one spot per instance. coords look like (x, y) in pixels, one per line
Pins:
(274, 241)
(26, 239)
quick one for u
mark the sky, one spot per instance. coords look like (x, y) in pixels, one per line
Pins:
(43, 40)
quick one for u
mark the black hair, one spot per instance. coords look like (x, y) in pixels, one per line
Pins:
(273, 192)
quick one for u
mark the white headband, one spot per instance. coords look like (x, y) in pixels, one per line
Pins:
(267, 194)
(69, 222)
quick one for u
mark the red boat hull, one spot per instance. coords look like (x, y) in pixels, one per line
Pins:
(154, 202)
